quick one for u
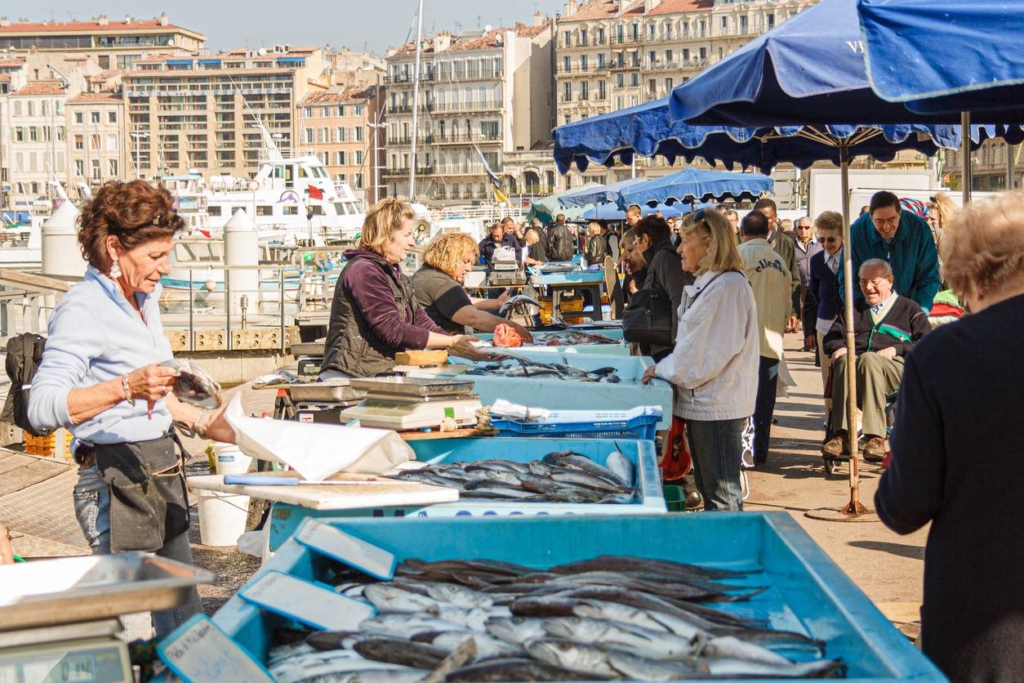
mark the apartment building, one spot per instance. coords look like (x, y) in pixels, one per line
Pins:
(203, 113)
(12, 77)
(483, 94)
(612, 54)
(993, 163)
(37, 134)
(355, 69)
(113, 44)
(344, 129)
(96, 136)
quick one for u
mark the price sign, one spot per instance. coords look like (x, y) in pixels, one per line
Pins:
(354, 552)
(200, 651)
(306, 602)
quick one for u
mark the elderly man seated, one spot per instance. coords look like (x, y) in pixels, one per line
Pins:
(886, 327)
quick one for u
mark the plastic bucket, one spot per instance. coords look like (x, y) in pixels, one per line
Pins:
(230, 459)
(222, 517)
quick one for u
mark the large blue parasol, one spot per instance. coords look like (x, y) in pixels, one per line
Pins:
(696, 184)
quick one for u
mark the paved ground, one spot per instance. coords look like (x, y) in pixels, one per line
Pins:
(35, 500)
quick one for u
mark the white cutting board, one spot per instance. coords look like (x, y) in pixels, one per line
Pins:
(367, 494)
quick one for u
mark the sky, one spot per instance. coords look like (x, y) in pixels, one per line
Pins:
(357, 24)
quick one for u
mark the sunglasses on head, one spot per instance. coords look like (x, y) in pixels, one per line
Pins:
(828, 240)
(699, 216)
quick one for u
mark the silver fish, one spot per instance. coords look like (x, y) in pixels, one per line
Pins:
(745, 668)
(608, 663)
(640, 641)
(459, 596)
(487, 646)
(406, 625)
(730, 647)
(388, 598)
(515, 630)
(195, 385)
(622, 467)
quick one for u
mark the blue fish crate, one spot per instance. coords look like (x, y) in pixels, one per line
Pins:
(639, 423)
(568, 394)
(649, 497)
(804, 590)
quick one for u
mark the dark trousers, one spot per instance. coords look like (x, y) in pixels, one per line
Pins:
(717, 448)
(764, 407)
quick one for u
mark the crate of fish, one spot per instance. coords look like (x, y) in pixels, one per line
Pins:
(639, 423)
(562, 382)
(513, 476)
(730, 596)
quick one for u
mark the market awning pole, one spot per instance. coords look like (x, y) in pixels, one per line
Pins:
(965, 156)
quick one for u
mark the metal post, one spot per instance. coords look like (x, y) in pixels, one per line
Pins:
(415, 101)
(1011, 168)
(227, 306)
(191, 314)
(965, 156)
(280, 283)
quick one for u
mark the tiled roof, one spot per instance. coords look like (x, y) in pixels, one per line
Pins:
(12, 63)
(5, 78)
(680, 6)
(487, 41)
(40, 89)
(524, 31)
(96, 98)
(109, 73)
(89, 26)
(594, 9)
(337, 96)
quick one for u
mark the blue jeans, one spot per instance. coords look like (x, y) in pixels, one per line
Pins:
(92, 508)
(717, 447)
(764, 406)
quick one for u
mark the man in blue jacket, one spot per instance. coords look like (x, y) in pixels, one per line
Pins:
(904, 241)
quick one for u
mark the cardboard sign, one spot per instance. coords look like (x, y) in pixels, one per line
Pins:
(200, 651)
(348, 549)
(306, 602)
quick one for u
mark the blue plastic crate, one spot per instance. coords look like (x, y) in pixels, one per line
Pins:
(804, 590)
(639, 423)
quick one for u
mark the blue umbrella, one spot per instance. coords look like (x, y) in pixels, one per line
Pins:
(611, 212)
(940, 56)
(697, 184)
(645, 129)
(589, 196)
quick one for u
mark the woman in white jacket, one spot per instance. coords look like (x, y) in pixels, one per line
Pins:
(714, 364)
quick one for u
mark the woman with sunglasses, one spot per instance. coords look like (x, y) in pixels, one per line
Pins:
(715, 360)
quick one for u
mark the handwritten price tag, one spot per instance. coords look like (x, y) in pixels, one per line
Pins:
(306, 602)
(354, 552)
(200, 651)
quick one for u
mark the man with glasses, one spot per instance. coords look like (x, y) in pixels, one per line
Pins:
(886, 327)
(823, 284)
(903, 240)
(806, 247)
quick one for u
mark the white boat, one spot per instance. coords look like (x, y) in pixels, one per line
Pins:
(291, 200)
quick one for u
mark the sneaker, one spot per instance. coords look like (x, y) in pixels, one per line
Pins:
(836, 446)
(874, 449)
(694, 501)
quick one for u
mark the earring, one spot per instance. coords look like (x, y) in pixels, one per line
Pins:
(115, 270)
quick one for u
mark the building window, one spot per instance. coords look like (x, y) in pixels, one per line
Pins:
(770, 18)
(94, 116)
(566, 64)
(325, 112)
(339, 134)
(584, 90)
(340, 158)
(112, 118)
(600, 62)
(620, 80)
(309, 133)
(359, 158)
(601, 91)
(567, 39)
(308, 112)
(265, 210)
(358, 130)
(358, 110)
(322, 138)
(112, 169)
(583, 62)
(567, 92)
(359, 181)
(634, 79)
(79, 142)
(111, 142)
(33, 134)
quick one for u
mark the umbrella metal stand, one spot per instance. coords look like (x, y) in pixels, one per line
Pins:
(854, 511)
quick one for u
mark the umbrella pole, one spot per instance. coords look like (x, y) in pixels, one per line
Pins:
(854, 507)
(965, 156)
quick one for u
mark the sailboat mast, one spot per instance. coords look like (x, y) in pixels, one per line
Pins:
(416, 101)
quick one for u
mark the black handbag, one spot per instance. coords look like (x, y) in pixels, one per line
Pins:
(647, 318)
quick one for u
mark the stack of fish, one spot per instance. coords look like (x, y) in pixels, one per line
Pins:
(527, 367)
(606, 618)
(561, 477)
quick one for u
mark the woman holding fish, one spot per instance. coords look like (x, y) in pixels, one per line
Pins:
(714, 363)
(104, 376)
(375, 313)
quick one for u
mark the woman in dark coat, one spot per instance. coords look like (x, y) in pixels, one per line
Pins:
(957, 453)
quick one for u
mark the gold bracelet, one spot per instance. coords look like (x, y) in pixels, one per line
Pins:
(127, 390)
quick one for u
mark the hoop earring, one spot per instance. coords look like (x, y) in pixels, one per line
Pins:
(115, 270)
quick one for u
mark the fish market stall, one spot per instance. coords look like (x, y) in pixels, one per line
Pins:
(643, 491)
(731, 596)
(582, 382)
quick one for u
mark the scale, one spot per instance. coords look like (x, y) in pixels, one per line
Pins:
(88, 651)
(403, 413)
(505, 269)
(59, 618)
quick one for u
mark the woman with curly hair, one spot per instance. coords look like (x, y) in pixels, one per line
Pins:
(102, 377)
(439, 289)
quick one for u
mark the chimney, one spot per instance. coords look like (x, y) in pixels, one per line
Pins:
(570, 8)
(102, 20)
(127, 19)
(442, 41)
(163, 19)
(650, 5)
(538, 18)
(4, 21)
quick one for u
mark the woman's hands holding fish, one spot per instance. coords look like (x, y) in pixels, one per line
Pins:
(151, 383)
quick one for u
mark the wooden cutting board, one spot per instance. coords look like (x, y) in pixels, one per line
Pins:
(368, 492)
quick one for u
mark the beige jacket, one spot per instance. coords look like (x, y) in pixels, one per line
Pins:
(771, 280)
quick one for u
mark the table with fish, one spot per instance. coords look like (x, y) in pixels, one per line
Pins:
(539, 378)
(728, 596)
(502, 476)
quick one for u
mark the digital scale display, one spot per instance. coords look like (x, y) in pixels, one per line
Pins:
(80, 668)
(77, 662)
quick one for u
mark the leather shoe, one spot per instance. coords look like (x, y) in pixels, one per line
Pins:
(874, 449)
(694, 501)
(836, 446)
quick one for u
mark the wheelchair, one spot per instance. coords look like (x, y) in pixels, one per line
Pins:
(832, 462)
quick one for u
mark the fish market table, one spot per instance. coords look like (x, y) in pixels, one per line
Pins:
(584, 280)
(789, 583)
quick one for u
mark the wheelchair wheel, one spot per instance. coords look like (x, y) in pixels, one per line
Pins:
(831, 466)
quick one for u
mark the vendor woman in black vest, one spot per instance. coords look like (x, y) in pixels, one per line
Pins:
(375, 314)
